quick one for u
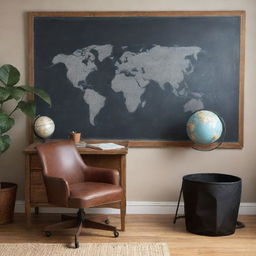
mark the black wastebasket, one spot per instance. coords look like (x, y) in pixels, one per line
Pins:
(211, 203)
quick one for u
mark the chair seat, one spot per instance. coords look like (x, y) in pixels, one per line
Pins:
(89, 194)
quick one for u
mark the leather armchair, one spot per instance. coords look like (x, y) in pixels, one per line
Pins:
(71, 183)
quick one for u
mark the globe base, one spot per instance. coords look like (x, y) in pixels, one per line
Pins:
(207, 147)
(42, 140)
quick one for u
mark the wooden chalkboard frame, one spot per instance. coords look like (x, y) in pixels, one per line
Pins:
(150, 143)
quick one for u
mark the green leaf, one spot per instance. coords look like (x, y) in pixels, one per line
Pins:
(5, 142)
(4, 94)
(6, 122)
(9, 75)
(28, 108)
(40, 93)
(16, 92)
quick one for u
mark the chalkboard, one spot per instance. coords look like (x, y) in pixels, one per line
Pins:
(138, 76)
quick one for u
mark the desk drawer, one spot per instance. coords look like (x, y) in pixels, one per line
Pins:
(35, 162)
(38, 194)
(37, 190)
(36, 178)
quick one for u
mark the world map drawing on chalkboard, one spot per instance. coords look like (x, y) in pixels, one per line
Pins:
(137, 78)
(132, 72)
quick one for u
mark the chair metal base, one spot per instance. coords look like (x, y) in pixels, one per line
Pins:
(79, 222)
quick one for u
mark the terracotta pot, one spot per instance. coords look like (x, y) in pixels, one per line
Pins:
(7, 201)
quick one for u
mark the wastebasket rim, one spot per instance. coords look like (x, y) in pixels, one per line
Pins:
(186, 178)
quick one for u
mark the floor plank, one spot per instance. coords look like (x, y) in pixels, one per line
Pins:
(141, 228)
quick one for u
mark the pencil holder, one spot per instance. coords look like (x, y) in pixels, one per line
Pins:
(75, 136)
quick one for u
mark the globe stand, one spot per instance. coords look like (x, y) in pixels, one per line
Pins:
(42, 140)
(215, 145)
(208, 147)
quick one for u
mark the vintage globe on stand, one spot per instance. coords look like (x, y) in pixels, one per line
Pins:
(43, 127)
(204, 127)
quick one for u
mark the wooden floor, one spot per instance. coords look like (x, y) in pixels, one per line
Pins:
(142, 228)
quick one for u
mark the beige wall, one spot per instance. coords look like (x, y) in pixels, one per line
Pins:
(153, 174)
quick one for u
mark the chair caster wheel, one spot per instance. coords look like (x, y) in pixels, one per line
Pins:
(116, 234)
(107, 221)
(48, 233)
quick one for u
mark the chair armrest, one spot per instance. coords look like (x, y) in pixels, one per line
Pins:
(57, 190)
(96, 174)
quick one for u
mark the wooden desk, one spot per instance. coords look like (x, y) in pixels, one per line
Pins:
(35, 191)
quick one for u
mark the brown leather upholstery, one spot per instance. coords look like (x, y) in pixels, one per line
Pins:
(71, 183)
(91, 194)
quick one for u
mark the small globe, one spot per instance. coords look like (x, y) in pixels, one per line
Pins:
(44, 127)
(204, 127)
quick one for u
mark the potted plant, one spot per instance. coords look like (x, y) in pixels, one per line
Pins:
(9, 77)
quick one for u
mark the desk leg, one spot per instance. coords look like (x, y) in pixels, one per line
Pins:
(27, 192)
(123, 185)
(28, 214)
(37, 210)
(123, 213)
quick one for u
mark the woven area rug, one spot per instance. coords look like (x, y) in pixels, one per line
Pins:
(86, 249)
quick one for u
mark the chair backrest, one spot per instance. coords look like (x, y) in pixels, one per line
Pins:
(62, 160)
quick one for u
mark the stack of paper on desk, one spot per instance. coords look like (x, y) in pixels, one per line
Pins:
(102, 146)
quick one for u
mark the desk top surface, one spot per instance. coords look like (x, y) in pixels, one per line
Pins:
(31, 149)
